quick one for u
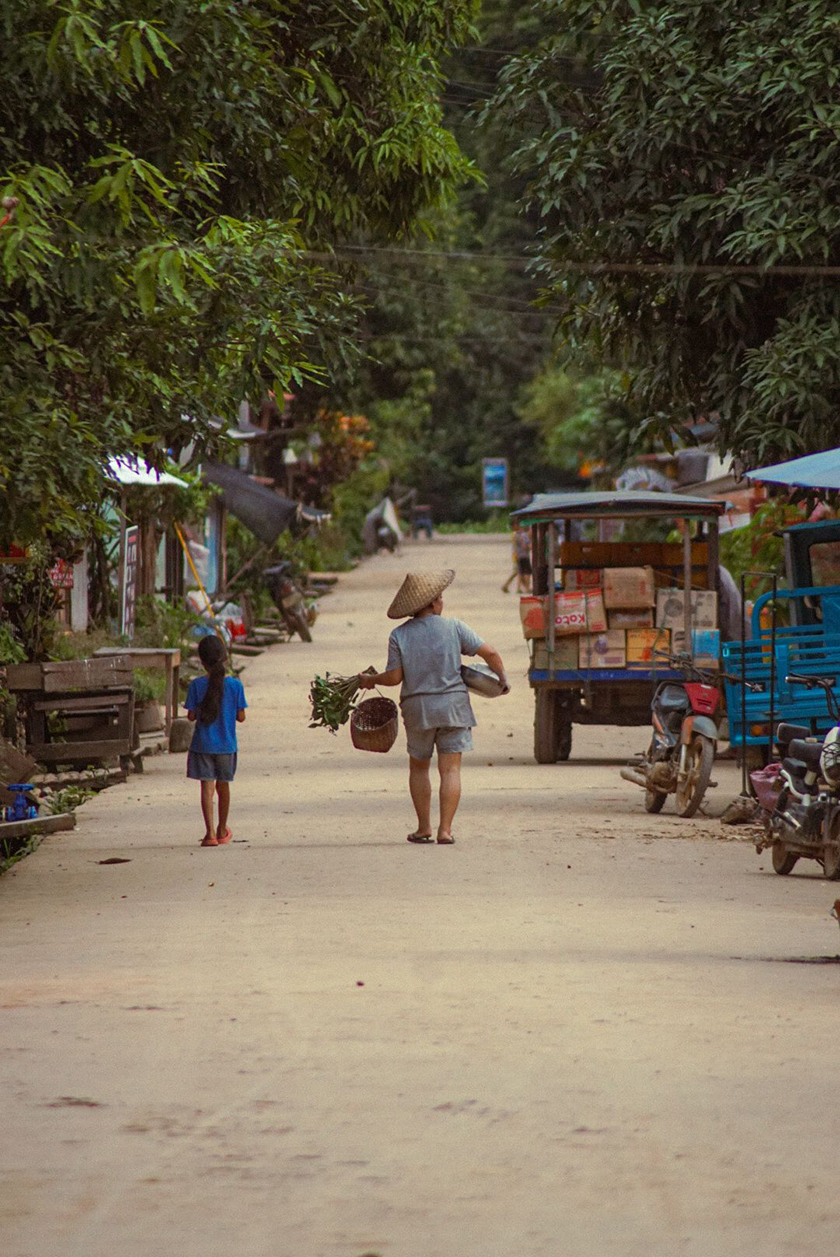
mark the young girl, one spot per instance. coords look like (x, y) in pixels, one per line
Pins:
(216, 703)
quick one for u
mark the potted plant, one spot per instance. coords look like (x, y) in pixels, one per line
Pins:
(148, 693)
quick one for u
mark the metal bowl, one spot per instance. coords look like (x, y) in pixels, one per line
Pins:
(480, 680)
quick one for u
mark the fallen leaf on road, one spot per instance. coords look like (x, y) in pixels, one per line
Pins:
(114, 859)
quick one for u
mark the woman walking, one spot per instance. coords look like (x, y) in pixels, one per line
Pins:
(424, 656)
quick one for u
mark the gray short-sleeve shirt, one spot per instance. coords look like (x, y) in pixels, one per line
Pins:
(429, 650)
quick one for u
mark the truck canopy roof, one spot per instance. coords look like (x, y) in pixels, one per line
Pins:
(617, 504)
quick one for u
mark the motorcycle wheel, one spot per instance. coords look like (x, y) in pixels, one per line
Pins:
(690, 790)
(654, 800)
(782, 859)
(296, 622)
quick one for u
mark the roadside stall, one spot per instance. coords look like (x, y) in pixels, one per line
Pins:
(605, 613)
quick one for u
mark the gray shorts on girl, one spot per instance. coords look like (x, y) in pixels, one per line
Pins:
(202, 766)
(448, 740)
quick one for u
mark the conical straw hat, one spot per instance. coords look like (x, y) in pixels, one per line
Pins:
(417, 591)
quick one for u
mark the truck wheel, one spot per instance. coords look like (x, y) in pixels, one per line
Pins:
(690, 791)
(564, 736)
(545, 726)
(783, 861)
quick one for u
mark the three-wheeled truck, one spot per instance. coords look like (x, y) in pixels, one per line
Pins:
(565, 692)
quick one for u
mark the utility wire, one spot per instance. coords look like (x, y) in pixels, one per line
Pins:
(580, 267)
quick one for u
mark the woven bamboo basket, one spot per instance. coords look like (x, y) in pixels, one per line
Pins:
(374, 725)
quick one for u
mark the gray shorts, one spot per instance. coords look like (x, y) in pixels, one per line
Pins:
(202, 766)
(447, 739)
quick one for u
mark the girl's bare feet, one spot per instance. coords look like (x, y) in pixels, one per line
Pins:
(209, 841)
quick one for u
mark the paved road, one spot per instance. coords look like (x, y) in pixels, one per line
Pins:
(565, 1035)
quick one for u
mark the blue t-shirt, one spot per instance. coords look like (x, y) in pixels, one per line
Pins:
(218, 738)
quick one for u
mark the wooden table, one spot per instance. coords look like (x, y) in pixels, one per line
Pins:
(153, 657)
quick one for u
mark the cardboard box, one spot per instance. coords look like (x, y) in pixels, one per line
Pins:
(579, 613)
(565, 655)
(646, 644)
(670, 605)
(601, 650)
(629, 587)
(532, 616)
(582, 578)
(630, 619)
(705, 644)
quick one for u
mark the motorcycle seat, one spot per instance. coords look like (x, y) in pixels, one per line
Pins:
(807, 752)
(786, 733)
(796, 769)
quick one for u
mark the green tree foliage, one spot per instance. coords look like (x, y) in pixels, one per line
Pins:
(580, 418)
(174, 174)
(698, 134)
(451, 339)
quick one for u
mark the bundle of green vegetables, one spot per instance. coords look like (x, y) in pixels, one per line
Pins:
(333, 700)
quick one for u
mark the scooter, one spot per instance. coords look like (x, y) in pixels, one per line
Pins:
(799, 797)
(682, 749)
(288, 598)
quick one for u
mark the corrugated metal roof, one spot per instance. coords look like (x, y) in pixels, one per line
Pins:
(618, 504)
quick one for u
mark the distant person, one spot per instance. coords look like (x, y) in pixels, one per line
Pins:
(424, 656)
(216, 703)
(521, 542)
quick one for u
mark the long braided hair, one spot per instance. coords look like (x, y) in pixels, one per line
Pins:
(212, 653)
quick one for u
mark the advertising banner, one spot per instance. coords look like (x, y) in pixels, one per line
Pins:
(494, 481)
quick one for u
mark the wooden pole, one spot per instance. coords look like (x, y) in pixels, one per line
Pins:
(549, 606)
(687, 587)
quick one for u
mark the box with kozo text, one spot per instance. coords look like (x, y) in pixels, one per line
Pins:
(581, 612)
(601, 650)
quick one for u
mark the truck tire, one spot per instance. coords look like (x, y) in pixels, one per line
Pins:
(563, 743)
(545, 726)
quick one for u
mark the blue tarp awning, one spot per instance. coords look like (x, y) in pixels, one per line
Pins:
(812, 471)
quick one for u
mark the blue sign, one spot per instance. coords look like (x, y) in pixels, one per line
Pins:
(494, 481)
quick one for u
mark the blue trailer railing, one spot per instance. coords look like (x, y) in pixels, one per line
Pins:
(809, 649)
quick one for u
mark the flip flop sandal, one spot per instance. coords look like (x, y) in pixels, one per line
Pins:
(446, 842)
(226, 837)
(420, 838)
(209, 842)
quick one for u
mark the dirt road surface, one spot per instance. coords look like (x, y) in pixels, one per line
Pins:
(570, 1035)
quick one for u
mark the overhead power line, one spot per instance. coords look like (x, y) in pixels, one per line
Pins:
(581, 267)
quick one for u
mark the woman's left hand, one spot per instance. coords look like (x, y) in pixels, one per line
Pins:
(367, 681)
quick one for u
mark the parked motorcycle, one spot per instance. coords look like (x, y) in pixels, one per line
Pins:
(800, 796)
(288, 598)
(682, 749)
